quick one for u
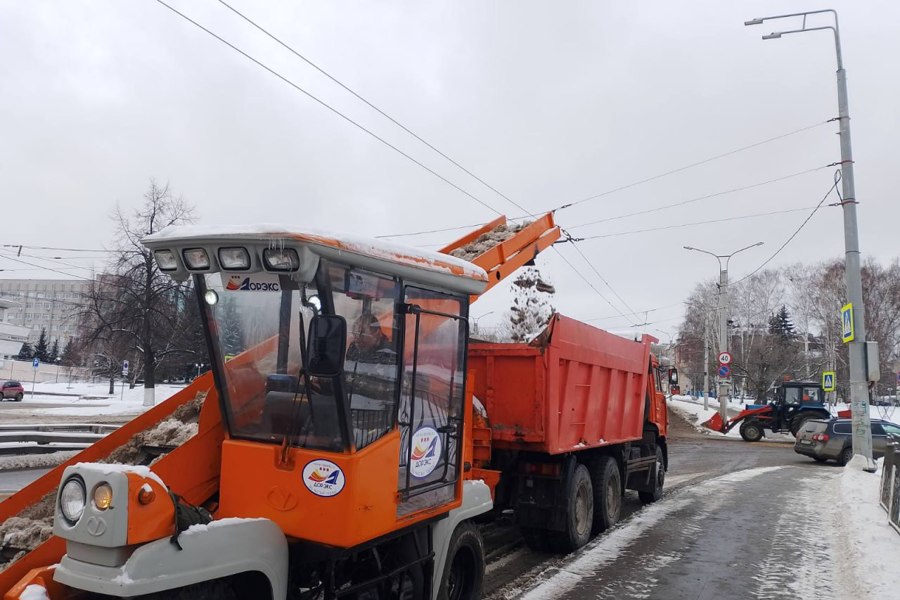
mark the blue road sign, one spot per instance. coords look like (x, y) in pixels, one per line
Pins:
(847, 333)
(828, 381)
(724, 371)
(36, 362)
(124, 368)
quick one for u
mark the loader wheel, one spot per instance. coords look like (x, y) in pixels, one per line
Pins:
(751, 431)
(660, 479)
(580, 509)
(464, 567)
(798, 424)
(607, 483)
(218, 589)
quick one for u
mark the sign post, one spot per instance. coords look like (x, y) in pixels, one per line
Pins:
(34, 364)
(124, 375)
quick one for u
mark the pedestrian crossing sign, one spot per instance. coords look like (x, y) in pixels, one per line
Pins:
(828, 381)
(847, 323)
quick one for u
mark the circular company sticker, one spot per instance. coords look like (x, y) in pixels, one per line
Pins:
(323, 478)
(426, 452)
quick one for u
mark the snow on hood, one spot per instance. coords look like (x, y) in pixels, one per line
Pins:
(277, 234)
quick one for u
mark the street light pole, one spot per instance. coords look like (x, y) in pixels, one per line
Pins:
(722, 310)
(859, 391)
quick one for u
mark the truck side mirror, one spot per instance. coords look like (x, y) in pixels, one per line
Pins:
(673, 376)
(327, 345)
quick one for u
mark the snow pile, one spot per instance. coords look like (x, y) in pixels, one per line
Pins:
(35, 461)
(34, 592)
(486, 241)
(869, 541)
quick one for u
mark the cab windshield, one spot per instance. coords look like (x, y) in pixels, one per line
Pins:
(259, 325)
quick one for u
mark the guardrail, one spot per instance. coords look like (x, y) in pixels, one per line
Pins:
(890, 484)
(21, 439)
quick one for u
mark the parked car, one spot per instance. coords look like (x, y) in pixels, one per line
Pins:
(12, 389)
(831, 440)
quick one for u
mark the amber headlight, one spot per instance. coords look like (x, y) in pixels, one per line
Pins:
(72, 499)
(103, 496)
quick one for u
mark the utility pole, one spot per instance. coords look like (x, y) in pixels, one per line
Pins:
(722, 310)
(859, 372)
(705, 366)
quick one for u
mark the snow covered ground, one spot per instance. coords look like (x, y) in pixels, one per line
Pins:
(86, 399)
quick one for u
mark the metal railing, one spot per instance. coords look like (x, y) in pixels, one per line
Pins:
(890, 483)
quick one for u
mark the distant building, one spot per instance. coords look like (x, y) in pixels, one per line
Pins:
(50, 304)
(11, 336)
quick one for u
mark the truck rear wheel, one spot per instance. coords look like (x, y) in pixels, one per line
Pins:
(659, 480)
(464, 567)
(607, 483)
(751, 431)
(580, 509)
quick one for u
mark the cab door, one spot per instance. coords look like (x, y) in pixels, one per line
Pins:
(431, 398)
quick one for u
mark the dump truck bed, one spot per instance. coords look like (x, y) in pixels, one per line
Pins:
(575, 387)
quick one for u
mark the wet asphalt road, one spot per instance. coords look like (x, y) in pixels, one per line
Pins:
(737, 521)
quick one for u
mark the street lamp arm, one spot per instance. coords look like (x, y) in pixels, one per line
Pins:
(728, 257)
(717, 257)
(760, 20)
(778, 34)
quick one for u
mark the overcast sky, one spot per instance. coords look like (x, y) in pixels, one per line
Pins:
(547, 102)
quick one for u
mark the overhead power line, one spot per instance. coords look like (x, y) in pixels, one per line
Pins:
(695, 223)
(370, 105)
(25, 246)
(692, 165)
(699, 198)
(603, 279)
(355, 123)
(329, 107)
(815, 209)
(591, 285)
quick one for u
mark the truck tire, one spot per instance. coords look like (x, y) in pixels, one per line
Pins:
(659, 480)
(464, 568)
(751, 431)
(607, 483)
(579, 498)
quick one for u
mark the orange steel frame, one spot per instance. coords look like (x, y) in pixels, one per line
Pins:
(194, 470)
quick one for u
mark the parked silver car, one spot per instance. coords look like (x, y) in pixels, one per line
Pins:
(823, 440)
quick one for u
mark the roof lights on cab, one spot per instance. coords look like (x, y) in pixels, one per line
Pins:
(166, 260)
(234, 259)
(196, 259)
(281, 259)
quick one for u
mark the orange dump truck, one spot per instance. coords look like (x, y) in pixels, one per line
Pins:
(575, 418)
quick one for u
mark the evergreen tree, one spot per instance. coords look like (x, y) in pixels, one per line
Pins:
(780, 324)
(41, 350)
(68, 357)
(26, 353)
(232, 330)
(53, 355)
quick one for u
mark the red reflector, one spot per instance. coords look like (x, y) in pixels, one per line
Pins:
(823, 437)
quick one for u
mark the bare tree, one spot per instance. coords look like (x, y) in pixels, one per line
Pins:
(135, 306)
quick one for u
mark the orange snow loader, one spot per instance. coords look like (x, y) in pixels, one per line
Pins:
(336, 445)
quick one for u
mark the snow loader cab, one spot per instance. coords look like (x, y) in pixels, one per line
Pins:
(343, 401)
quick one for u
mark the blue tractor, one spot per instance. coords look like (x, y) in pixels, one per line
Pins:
(794, 403)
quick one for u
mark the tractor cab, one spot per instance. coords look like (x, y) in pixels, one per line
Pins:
(340, 368)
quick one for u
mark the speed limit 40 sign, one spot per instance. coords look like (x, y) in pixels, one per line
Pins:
(724, 358)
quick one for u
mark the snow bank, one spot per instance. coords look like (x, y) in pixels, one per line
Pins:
(870, 545)
(34, 592)
(35, 461)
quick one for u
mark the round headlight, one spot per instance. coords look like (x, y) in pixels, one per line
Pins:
(72, 499)
(103, 496)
